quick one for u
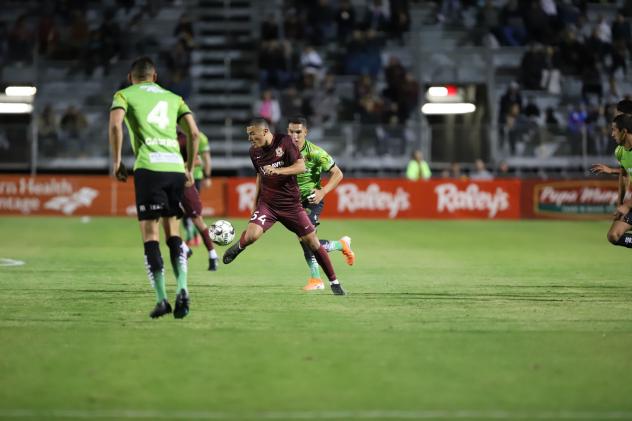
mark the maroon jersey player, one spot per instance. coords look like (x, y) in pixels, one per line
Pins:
(192, 205)
(277, 161)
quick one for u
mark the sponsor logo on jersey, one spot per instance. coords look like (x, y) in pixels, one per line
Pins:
(279, 151)
(153, 89)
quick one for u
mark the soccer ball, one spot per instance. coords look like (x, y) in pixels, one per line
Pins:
(222, 232)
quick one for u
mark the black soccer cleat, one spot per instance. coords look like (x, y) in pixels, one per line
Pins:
(161, 309)
(231, 253)
(182, 305)
(337, 289)
(212, 264)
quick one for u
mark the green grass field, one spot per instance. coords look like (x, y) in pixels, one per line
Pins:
(444, 320)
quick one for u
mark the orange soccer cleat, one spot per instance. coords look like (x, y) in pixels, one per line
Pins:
(314, 284)
(346, 250)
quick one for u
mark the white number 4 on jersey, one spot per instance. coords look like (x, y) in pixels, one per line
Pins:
(159, 115)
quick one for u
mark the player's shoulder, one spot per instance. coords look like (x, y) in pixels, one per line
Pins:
(619, 152)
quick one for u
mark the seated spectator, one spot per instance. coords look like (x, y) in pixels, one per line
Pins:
(20, 41)
(510, 98)
(345, 21)
(47, 131)
(503, 170)
(73, 122)
(376, 16)
(269, 29)
(311, 62)
(268, 108)
(455, 172)
(417, 168)
(480, 171)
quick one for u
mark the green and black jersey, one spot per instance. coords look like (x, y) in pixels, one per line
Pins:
(151, 115)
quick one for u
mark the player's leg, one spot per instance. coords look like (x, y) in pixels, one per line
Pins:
(149, 201)
(208, 243)
(618, 233)
(297, 221)
(193, 208)
(314, 282)
(155, 266)
(261, 220)
(343, 245)
(172, 212)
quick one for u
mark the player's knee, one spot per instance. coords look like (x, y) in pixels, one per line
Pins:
(153, 259)
(613, 237)
(175, 246)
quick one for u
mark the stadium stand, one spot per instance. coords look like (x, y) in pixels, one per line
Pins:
(544, 77)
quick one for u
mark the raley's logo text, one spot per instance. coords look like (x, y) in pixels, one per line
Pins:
(451, 199)
(351, 199)
(584, 195)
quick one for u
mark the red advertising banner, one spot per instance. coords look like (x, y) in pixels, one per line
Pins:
(398, 198)
(572, 199)
(83, 195)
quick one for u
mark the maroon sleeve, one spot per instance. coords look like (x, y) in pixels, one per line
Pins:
(291, 150)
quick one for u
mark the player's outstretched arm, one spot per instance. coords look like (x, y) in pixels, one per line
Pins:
(115, 136)
(604, 169)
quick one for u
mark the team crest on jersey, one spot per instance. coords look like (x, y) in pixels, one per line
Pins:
(279, 151)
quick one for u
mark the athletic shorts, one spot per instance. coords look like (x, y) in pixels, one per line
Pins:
(294, 219)
(627, 218)
(198, 184)
(158, 194)
(191, 202)
(313, 211)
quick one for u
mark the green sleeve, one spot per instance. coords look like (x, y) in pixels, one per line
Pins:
(183, 109)
(425, 170)
(204, 146)
(412, 171)
(119, 101)
(618, 153)
(325, 160)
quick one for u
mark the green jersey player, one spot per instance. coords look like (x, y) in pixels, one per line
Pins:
(622, 134)
(317, 162)
(151, 115)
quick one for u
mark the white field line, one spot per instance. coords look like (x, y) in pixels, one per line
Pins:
(324, 415)
(10, 262)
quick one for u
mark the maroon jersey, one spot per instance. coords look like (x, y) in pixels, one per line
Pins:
(278, 191)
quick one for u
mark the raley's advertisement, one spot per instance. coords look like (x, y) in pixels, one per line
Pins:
(83, 195)
(397, 198)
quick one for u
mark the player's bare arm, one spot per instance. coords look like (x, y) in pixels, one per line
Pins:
(257, 190)
(335, 177)
(297, 167)
(190, 129)
(604, 169)
(115, 135)
(206, 165)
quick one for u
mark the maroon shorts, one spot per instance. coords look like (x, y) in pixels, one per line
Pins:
(191, 202)
(295, 219)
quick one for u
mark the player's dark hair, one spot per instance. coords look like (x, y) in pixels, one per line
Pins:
(259, 122)
(623, 122)
(298, 119)
(142, 68)
(625, 106)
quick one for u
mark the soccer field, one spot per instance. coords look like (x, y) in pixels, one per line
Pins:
(444, 320)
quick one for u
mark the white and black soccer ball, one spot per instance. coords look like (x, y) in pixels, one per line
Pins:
(222, 232)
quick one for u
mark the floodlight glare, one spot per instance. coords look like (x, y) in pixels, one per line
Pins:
(448, 108)
(20, 90)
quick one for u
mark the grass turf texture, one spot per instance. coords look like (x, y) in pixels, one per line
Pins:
(465, 319)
